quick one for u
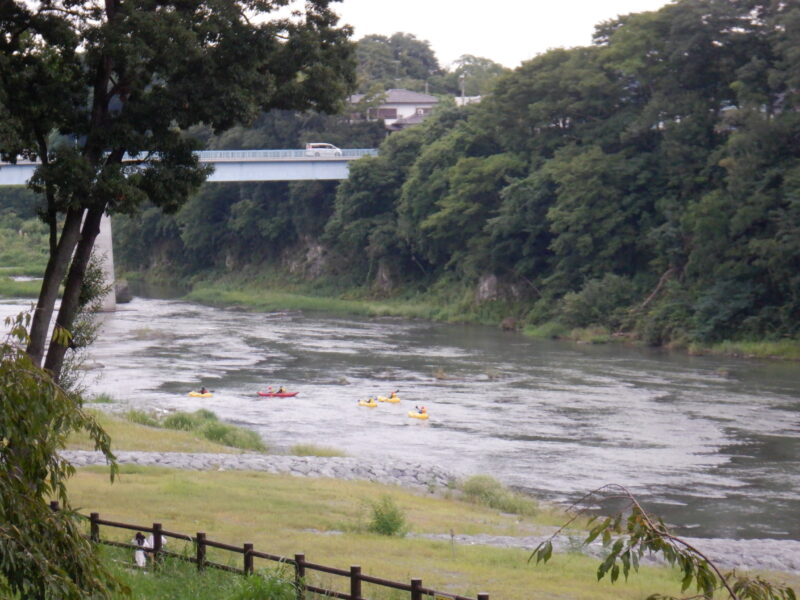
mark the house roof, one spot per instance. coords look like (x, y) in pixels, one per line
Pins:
(400, 96)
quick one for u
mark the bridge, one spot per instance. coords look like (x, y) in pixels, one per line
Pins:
(241, 165)
(230, 166)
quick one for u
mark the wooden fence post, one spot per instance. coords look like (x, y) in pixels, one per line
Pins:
(201, 551)
(299, 575)
(416, 589)
(94, 527)
(483, 596)
(156, 542)
(355, 583)
(248, 559)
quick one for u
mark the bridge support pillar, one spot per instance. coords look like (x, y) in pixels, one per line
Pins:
(104, 251)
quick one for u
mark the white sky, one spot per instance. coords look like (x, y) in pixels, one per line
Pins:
(506, 31)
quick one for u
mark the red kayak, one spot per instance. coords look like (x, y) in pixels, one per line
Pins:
(278, 394)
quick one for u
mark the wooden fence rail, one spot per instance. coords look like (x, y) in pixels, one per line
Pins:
(301, 565)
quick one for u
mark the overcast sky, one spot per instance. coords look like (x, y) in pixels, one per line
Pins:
(507, 31)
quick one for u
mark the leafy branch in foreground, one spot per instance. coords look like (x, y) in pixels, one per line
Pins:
(43, 554)
(632, 532)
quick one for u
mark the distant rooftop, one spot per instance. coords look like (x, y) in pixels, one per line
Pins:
(400, 96)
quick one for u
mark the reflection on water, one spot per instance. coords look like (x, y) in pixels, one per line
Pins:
(712, 444)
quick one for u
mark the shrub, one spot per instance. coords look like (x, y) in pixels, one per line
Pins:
(487, 491)
(141, 417)
(600, 302)
(102, 399)
(312, 450)
(387, 518)
(230, 435)
(183, 421)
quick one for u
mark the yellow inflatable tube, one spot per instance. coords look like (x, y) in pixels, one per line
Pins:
(417, 415)
(392, 399)
(371, 403)
(199, 395)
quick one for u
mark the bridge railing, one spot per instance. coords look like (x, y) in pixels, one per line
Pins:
(255, 155)
(248, 155)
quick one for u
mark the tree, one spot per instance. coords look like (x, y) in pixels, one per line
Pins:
(42, 553)
(632, 531)
(394, 60)
(474, 75)
(123, 79)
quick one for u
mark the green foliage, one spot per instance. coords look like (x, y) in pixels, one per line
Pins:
(314, 450)
(387, 518)
(599, 302)
(177, 579)
(230, 435)
(277, 585)
(205, 423)
(487, 491)
(656, 170)
(181, 421)
(102, 399)
(43, 554)
(141, 417)
(633, 532)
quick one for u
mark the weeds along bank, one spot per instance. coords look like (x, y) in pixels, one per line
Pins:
(269, 289)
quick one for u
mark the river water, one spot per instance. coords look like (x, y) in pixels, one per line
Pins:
(711, 444)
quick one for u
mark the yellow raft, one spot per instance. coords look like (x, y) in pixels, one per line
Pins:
(392, 399)
(417, 415)
(371, 403)
(199, 395)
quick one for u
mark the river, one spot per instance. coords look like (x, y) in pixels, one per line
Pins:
(711, 444)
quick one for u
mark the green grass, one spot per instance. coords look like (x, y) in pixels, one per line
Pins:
(19, 289)
(202, 423)
(314, 450)
(126, 435)
(787, 349)
(547, 331)
(267, 300)
(487, 491)
(176, 579)
(284, 515)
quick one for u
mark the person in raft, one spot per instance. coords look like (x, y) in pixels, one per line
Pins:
(203, 390)
(393, 395)
(421, 410)
(281, 390)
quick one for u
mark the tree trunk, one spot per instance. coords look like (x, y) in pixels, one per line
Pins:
(72, 289)
(57, 266)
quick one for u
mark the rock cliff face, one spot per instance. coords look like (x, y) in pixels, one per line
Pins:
(491, 287)
(384, 282)
(309, 259)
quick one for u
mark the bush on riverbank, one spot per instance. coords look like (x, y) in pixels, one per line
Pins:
(204, 423)
(314, 450)
(387, 518)
(487, 491)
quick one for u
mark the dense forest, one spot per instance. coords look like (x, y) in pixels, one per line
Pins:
(648, 183)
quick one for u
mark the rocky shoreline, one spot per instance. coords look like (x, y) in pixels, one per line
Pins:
(762, 554)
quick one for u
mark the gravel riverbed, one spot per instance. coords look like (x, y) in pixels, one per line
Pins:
(766, 554)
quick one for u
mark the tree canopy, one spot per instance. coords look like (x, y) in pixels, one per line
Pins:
(102, 94)
(655, 170)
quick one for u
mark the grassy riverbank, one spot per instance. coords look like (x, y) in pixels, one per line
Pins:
(327, 520)
(276, 294)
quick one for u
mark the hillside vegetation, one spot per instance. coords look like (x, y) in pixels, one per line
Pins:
(648, 184)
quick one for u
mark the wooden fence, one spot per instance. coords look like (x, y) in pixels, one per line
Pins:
(249, 554)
